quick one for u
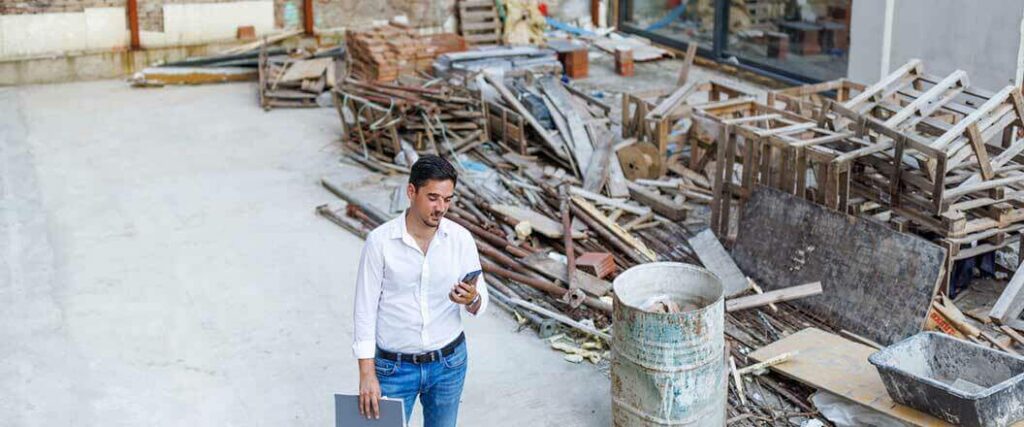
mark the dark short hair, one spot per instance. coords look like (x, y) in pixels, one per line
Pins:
(431, 167)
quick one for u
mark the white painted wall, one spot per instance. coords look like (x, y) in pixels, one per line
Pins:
(866, 33)
(55, 33)
(98, 29)
(980, 37)
(202, 22)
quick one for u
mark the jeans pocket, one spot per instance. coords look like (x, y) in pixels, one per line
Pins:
(384, 367)
(456, 359)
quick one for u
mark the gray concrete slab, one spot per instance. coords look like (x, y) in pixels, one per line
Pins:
(161, 264)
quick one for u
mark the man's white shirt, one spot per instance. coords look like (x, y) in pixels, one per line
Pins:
(402, 302)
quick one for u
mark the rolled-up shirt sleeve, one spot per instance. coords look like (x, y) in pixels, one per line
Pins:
(472, 257)
(368, 290)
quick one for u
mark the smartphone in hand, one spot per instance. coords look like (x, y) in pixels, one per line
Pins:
(471, 277)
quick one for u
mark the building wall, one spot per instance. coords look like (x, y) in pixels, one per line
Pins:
(866, 39)
(945, 34)
(23, 7)
(51, 27)
(354, 13)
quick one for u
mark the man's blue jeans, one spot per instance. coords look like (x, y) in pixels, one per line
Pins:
(438, 385)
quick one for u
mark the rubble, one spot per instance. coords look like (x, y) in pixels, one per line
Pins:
(565, 195)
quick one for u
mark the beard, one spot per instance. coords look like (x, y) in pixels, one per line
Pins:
(431, 220)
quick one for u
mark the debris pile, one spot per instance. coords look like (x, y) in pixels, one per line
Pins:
(295, 81)
(563, 192)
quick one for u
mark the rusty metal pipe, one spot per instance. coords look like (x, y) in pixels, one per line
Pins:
(133, 23)
(308, 19)
(501, 258)
(489, 237)
(543, 285)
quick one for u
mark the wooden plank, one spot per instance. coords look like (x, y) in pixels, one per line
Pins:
(957, 78)
(477, 16)
(778, 295)
(519, 108)
(1012, 334)
(1011, 301)
(307, 69)
(617, 184)
(669, 105)
(540, 223)
(615, 203)
(684, 72)
(980, 153)
(660, 204)
(911, 67)
(476, 26)
(615, 229)
(596, 173)
(590, 284)
(580, 143)
(878, 283)
(835, 364)
(958, 130)
(714, 257)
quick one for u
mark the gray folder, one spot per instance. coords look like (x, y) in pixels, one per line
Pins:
(346, 412)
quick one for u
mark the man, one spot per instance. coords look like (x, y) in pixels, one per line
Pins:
(409, 297)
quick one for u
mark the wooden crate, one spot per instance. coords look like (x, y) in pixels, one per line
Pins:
(479, 24)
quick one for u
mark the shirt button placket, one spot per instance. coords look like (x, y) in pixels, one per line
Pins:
(424, 309)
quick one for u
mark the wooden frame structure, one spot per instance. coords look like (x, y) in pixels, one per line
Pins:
(808, 100)
(927, 154)
(652, 121)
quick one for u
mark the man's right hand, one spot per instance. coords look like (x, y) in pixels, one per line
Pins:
(369, 390)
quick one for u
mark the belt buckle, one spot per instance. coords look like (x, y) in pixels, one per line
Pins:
(424, 358)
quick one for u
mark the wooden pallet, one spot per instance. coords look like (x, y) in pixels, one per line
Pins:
(479, 24)
(651, 119)
(808, 100)
(925, 154)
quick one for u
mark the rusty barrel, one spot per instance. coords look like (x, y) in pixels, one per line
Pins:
(668, 368)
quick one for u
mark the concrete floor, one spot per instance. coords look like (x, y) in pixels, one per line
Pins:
(161, 264)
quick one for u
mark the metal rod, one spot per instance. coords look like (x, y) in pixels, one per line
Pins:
(561, 318)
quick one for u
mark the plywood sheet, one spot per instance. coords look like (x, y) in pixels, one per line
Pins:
(878, 283)
(714, 257)
(833, 363)
(307, 69)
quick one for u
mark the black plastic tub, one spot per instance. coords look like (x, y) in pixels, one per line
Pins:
(958, 381)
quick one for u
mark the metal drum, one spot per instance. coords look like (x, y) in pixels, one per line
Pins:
(668, 368)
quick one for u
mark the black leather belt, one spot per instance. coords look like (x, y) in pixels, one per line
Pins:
(430, 356)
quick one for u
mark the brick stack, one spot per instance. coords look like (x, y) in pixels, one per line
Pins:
(624, 61)
(383, 53)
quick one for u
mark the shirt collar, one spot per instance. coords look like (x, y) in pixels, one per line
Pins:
(400, 231)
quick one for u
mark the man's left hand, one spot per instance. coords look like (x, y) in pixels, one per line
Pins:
(463, 293)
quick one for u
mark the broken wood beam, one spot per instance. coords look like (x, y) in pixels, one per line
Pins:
(779, 295)
(668, 208)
